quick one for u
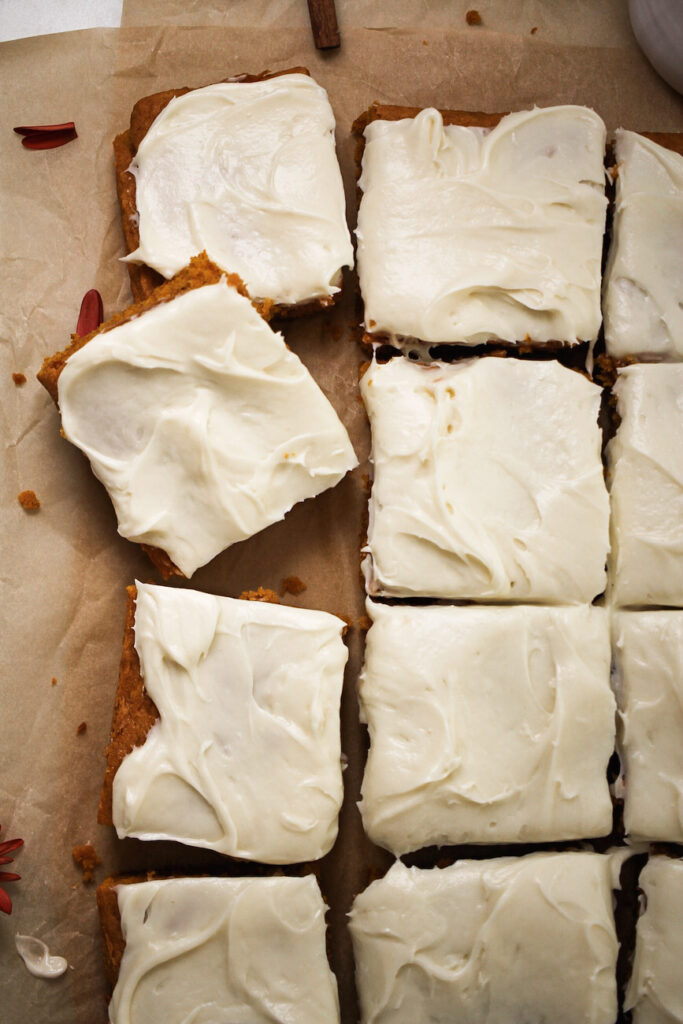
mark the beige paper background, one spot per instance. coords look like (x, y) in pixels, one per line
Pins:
(64, 569)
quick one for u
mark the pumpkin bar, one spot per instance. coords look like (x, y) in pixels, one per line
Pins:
(245, 169)
(509, 939)
(226, 729)
(643, 293)
(488, 482)
(487, 725)
(219, 949)
(475, 228)
(200, 422)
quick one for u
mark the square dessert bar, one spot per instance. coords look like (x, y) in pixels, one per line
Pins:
(475, 228)
(216, 949)
(648, 649)
(488, 482)
(245, 169)
(655, 994)
(645, 474)
(506, 940)
(226, 726)
(643, 289)
(487, 725)
(200, 422)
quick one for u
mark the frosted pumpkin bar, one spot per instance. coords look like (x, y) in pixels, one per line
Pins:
(245, 169)
(226, 726)
(217, 949)
(643, 292)
(510, 939)
(488, 482)
(655, 993)
(200, 422)
(487, 725)
(481, 227)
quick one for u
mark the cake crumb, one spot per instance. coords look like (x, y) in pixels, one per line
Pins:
(534, 30)
(87, 860)
(292, 585)
(81, 728)
(473, 18)
(260, 594)
(53, 681)
(19, 379)
(364, 623)
(28, 500)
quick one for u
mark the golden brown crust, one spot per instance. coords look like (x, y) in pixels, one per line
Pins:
(134, 711)
(113, 943)
(143, 280)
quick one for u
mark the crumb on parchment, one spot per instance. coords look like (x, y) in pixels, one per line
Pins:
(473, 18)
(87, 860)
(260, 594)
(19, 379)
(53, 681)
(292, 585)
(28, 500)
(81, 728)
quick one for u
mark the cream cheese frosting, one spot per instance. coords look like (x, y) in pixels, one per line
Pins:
(645, 463)
(488, 482)
(487, 725)
(511, 939)
(248, 172)
(643, 297)
(201, 424)
(245, 758)
(648, 648)
(467, 235)
(247, 950)
(38, 959)
(654, 992)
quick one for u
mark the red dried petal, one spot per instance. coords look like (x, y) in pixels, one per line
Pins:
(29, 129)
(49, 140)
(6, 860)
(10, 844)
(9, 876)
(5, 902)
(91, 314)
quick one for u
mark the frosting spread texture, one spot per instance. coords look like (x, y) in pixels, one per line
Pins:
(643, 299)
(201, 424)
(245, 757)
(648, 650)
(248, 172)
(248, 950)
(654, 992)
(512, 939)
(467, 235)
(645, 462)
(487, 725)
(488, 482)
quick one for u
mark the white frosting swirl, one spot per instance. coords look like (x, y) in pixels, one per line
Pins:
(466, 235)
(36, 955)
(488, 482)
(655, 993)
(205, 950)
(200, 422)
(648, 649)
(248, 172)
(645, 462)
(245, 758)
(512, 939)
(487, 725)
(643, 302)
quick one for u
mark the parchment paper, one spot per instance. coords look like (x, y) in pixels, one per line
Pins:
(64, 568)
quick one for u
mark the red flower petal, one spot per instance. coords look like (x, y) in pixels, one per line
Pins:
(5, 902)
(47, 136)
(91, 314)
(49, 140)
(10, 844)
(9, 876)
